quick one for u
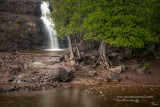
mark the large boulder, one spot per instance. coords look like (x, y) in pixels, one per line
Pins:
(112, 77)
(62, 74)
(46, 77)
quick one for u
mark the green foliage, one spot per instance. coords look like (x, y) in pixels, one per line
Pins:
(25, 28)
(155, 19)
(121, 23)
(146, 64)
(86, 73)
(18, 21)
(147, 52)
(66, 17)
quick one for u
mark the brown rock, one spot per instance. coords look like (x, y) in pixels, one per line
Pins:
(118, 69)
(141, 70)
(115, 77)
(72, 62)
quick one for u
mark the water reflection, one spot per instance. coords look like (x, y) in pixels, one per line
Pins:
(68, 98)
(51, 52)
(105, 96)
(71, 97)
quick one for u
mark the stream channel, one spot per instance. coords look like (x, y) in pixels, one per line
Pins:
(108, 95)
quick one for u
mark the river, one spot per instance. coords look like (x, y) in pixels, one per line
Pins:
(110, 95)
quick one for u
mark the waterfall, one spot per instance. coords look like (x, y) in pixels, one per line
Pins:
(49, 26)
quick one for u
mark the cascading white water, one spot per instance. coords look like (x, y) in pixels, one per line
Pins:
(49, 24)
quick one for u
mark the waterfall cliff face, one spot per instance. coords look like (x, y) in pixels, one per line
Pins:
(20, 25)
(49, 26)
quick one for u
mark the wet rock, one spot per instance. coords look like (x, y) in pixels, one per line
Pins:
(70, 70)
(62, 75)
(10, 80)
(107, 79)
(18, 79)
(115, 77)
(14, 70)
(61, 58)
(37, 65)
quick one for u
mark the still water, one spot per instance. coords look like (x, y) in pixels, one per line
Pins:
(50, 52)
(96, 96)
(71, 97)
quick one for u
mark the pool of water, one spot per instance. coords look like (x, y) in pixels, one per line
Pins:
(71, 97)
(94, 96)
(51, 52)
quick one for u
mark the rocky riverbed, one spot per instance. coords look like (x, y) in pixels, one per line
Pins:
(30, 71)
(20, 71)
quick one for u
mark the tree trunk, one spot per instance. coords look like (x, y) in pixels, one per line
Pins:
(71, 48)
(3, 27)
(77, 48)
(80, 32)
(102, 53)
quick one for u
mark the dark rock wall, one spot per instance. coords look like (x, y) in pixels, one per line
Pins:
(20, 25)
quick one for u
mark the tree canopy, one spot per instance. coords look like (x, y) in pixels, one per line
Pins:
(121, 23)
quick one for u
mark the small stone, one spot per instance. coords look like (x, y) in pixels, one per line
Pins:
(66, 57)
(120, 58)
(118, 69)
(106, 79)
(113, 54)
(114, 77)
(92, 73)
(43, 88)
(135, 66)
(86, 68)
(141, 70)
(93, 57)
(123, 67)
(14, 70)
(134, 62)
(128, 52)
(72, 62)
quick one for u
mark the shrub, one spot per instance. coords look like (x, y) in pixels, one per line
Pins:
(18, 21)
